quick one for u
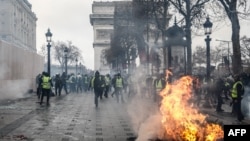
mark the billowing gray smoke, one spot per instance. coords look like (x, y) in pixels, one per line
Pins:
(143, 111)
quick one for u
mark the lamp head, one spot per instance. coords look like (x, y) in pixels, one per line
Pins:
(208, 27)
(48, 36)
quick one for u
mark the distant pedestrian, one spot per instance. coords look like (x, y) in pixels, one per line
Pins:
(58, 84)
(197, 90)
(96, 85)
(113, 84)
(46, 84)
(79, 83)
(219, 87)
(107, 85)
(64, 79)
(119, 84)
(158, 84)
(85, 82)
(39, 87)
(103, 85)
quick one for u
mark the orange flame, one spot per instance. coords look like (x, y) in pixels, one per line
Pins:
(180, 120)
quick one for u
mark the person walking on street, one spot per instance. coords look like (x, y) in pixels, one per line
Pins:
(64, 82)
(113, 84)
(46, 84)
(79, 83)
(39, 87)
(103, 84)
(237, 94)
(107, 85)
(85, 82)
(96, 85)
(58, 84)
(119, 84)
(158, 84)
(219, 87)
(72, 81)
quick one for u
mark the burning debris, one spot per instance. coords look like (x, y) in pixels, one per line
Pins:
(180, 120)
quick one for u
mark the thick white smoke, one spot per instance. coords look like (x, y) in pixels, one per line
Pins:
(11, 89)
(143, 111)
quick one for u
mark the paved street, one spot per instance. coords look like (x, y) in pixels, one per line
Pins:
(74, 117)
(69, 118)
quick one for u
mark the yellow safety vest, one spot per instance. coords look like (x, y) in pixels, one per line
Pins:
(46, 83)
(107, 80)
(118, 82)
(234, 93)
(86, 79)
(92, 82)
(158, 85)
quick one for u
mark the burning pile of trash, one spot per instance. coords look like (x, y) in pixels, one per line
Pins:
(179, 119)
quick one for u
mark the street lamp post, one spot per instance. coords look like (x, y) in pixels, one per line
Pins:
(76, 65)
(80, 64)
(208, 30)
(66, 59)
(48, 38)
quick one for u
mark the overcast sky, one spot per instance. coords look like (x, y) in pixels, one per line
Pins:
(69, 20)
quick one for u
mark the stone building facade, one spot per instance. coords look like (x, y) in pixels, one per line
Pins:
(19, 61)
(18, 24)
(102, 20)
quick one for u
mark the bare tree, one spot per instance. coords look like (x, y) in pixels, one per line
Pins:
(234, 10)
(198, 55)
(192, 12)
(43, 50)
(72, 54)
(245, 48)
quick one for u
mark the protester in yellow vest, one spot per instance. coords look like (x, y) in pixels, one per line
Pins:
(158, 84)
(107, 85)
(46, 84)
(119, 87)
(237, 94)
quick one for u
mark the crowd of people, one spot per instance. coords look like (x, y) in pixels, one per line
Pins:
(228, 89)
(218, 90)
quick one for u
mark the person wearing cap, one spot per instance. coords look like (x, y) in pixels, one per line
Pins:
(237, 94)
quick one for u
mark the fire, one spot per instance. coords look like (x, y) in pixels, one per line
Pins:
(180, 120)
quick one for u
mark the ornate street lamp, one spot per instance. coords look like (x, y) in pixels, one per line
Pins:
(208, 30)
(66, 59)
(48, 38)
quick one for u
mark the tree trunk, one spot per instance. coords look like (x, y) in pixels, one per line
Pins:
(237, 63)
(188, 38)
(231, 9)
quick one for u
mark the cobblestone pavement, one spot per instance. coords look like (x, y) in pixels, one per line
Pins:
(69, 118)
(73, 117)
